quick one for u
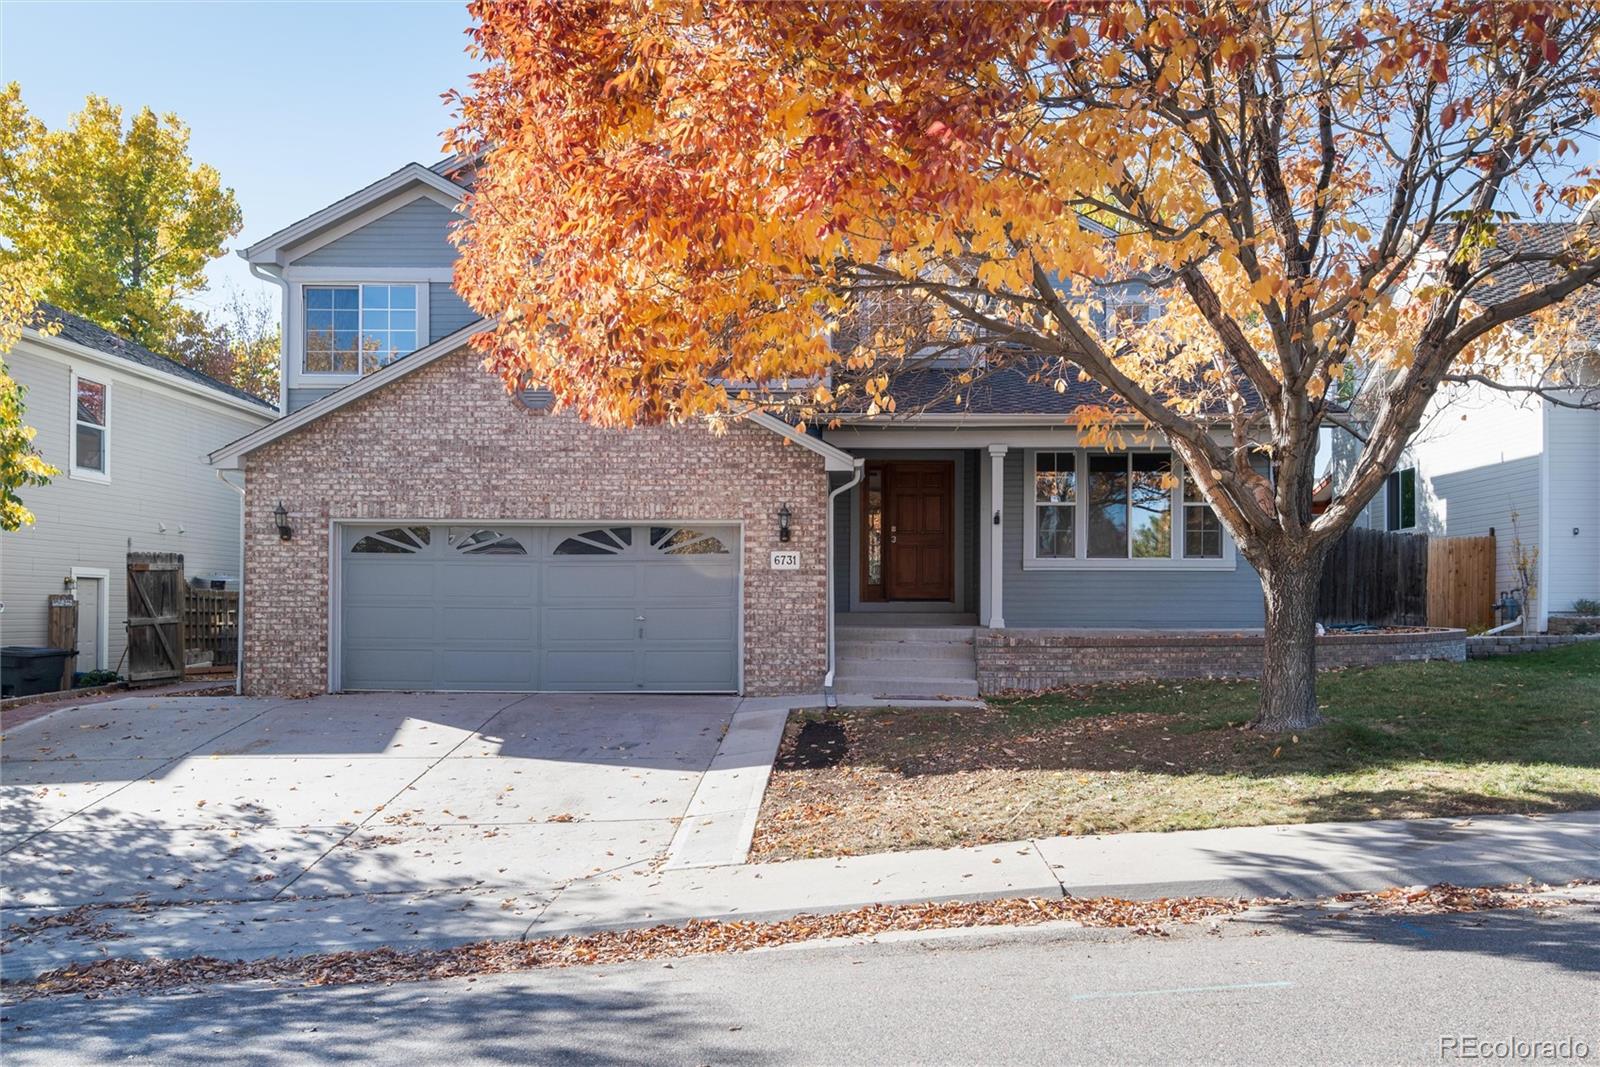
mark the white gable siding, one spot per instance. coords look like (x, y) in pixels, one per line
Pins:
(157, 446)
(1573, 498)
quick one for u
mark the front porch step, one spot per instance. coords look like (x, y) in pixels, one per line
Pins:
(856, 648)
(907, 634)
(906, 618)
(910, 688)
(932, 669)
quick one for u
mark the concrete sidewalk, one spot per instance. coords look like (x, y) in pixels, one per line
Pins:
(1278, 861)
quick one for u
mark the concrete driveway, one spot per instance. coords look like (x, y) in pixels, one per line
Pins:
(201, 802)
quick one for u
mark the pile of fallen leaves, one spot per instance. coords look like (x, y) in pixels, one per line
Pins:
(700, 937)
(695, 938)
(1445, 898)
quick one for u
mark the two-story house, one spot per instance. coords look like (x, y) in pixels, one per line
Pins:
(130, 431)
(441, 533)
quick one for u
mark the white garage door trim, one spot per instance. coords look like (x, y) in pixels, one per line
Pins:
(336, 528)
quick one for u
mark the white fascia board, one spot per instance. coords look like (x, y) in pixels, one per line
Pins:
(56, 345)
(271, 249)
(229, 454)
(834, 459)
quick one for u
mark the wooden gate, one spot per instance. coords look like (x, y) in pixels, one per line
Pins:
(1375, 577)
(1461, 582)
(155, 616)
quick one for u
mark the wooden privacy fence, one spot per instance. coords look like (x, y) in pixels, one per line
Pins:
(1375, 577)
(1400, 579)
(211, 626)
(1461, 582)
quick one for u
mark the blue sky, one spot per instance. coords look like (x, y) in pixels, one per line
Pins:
(296, 104)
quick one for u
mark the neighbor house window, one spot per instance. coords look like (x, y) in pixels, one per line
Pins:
(356, 329)
(1401, 499)
(1202, 530)
(89, 426)
(1101, 506)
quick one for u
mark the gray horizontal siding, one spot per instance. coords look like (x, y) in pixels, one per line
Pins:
(299, 397)
(409, 236)
(447, 312)
(157, 450)
(1574, 457)
(1118, 598)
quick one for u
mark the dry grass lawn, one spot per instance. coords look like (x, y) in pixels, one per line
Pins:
(1515, 734)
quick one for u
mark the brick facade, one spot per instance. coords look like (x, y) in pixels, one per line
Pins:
(447, 442)
(1030, 659)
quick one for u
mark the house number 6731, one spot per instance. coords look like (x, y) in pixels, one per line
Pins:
(786, 560)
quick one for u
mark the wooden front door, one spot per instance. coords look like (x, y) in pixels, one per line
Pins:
(919, 559)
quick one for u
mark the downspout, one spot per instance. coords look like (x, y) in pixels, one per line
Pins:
(271, 274)
(238, 655)
(855, 480)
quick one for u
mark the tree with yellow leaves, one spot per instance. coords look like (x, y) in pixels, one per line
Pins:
(673, 196)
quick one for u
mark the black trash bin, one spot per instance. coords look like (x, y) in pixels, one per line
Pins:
(28, 669)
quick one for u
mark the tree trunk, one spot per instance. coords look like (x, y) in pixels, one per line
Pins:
(1289, 667)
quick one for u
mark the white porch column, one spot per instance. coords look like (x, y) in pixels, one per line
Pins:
(995, 527)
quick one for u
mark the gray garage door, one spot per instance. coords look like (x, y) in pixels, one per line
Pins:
(540, 608)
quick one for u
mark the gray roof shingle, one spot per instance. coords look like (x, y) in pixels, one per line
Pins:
(81, 331)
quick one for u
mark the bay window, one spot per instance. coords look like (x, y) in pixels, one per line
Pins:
(1091, 509)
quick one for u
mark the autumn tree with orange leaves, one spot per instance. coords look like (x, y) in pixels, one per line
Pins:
(674, 196)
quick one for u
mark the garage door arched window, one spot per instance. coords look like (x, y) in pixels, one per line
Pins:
(401, 540)
(682, 541)
(484, 542)
(608, 541)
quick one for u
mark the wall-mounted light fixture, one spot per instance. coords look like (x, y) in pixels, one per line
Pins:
(70, 585)
(784, 515)
(997, 516)
(280, 516)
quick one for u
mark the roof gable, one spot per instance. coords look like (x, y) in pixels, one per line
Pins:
(82, 333)
(273, 250)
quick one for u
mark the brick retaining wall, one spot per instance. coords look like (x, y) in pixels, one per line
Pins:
(1035, 659)
(1509, 644)
(1573, 623)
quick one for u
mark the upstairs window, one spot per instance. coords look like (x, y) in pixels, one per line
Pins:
(89, 427)
(1400, 496)
(356, 329)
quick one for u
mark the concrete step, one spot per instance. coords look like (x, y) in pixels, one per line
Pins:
(906, 618)
(931, 669)
(922, 634)
(923, 688)
(856, 648)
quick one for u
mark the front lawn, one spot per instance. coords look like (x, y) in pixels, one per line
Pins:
(1512, 734)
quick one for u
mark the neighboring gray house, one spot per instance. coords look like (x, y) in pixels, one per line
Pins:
(444, 534)
(129, 431)
(1484, 455)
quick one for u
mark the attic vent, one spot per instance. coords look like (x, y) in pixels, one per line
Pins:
(536, 399)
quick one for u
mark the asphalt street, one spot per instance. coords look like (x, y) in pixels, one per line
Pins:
(1271, 989)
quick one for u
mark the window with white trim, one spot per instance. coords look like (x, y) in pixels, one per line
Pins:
(1202, 529)
(1099, 508)
(1055, 503)
(356, 329)
(89, 426)
(1400, 498)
